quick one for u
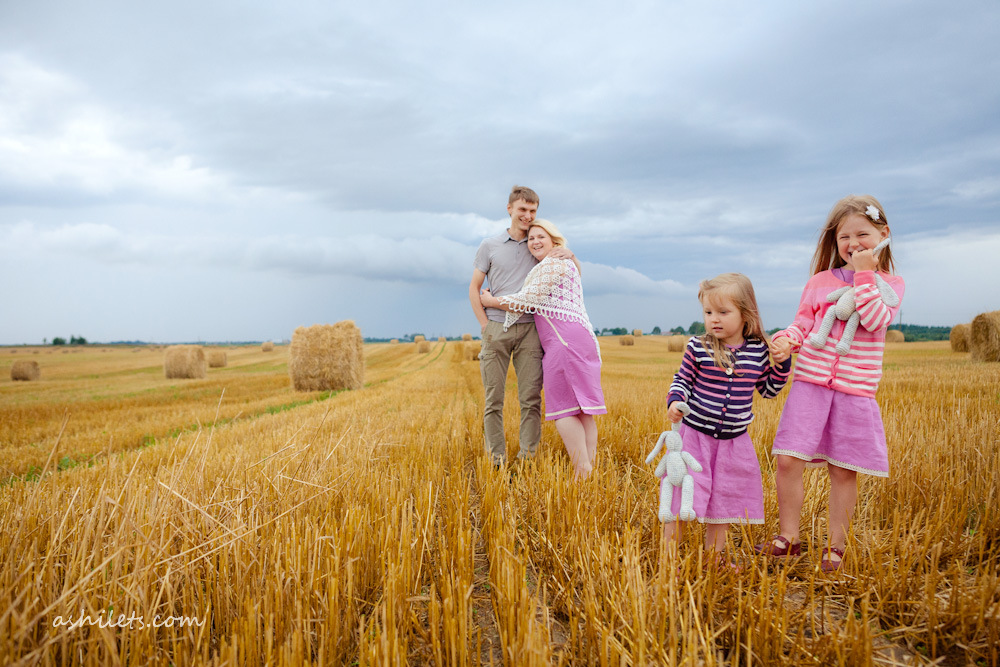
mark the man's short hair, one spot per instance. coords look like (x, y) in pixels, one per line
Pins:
(521, 192)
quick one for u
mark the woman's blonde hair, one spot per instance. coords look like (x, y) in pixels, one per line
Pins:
(738, 289)
(827, 257)
(558, 240)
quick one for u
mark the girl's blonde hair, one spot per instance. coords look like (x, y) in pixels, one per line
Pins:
(738, 289)
(558, 240)
(827, 257)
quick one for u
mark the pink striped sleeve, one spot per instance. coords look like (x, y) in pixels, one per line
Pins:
(875, 314)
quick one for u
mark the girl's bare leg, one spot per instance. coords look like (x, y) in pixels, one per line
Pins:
(788, 480)
(715, 537)
(843, 498)
(672, 533)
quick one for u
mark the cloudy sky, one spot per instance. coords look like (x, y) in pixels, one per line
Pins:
(181, 171)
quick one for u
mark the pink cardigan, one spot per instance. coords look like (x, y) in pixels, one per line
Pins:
(858, 371)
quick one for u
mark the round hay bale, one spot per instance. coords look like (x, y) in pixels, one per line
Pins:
(423, 347)
(394, 341)
(894, 336)
(627, 339)
(217, 359)
(959, 338)
(442, 339)
(419, 338)
(471, 350)
(327, 357)
(466, 336)
(637, 333)
(676, 343)
(984, 337)
(27, 371)
(267, 346)
(184, 362)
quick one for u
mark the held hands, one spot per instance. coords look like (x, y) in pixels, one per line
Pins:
(781, 349)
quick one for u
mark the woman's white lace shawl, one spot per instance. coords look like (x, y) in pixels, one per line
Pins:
(552, 289)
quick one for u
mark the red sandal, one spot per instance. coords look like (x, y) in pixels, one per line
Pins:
(826, 563)
(786, 550)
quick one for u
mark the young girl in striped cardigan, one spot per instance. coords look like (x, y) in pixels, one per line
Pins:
(831, 417)
(718, 376)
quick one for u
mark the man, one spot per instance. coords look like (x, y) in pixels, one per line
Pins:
(504, 260)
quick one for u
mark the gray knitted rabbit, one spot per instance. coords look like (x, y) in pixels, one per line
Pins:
(844, 309)
(673, 469)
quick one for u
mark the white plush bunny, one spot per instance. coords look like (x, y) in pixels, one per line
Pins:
(844, 309)
(673, 468)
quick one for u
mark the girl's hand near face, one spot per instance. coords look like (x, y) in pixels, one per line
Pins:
(864, 260)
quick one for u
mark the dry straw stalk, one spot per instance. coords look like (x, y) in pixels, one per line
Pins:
(186, 362)
(327, 357)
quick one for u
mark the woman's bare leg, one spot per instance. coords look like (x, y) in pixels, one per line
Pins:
(574, 437)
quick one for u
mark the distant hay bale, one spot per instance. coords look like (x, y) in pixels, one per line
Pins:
(984, 337)
(217, 359)
(394, 341)
(676, 343)
(894, 336)
(423, 347)
(637, 333)
(327, 357)
(442, 339)
(267, 346)
(419, 338)
(959, 338)
(471, 350)
(184, 362)
(466, 336)
(627, 339)
(27, 371)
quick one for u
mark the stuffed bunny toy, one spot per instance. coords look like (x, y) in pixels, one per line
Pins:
(673, 468)
(845, 310)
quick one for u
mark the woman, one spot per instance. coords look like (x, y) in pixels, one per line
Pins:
(571, 367)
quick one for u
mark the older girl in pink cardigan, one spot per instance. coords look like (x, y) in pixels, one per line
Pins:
(831, 416)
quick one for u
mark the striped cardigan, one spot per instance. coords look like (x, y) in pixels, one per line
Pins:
(859, 371)
(721, 403)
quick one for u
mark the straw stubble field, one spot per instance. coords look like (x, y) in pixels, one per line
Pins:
(254, 524)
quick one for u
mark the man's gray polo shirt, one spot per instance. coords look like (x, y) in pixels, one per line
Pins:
(506, 263)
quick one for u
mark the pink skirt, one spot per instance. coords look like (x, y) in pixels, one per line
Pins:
(729, 488)
(825, 426)
(571, 369)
